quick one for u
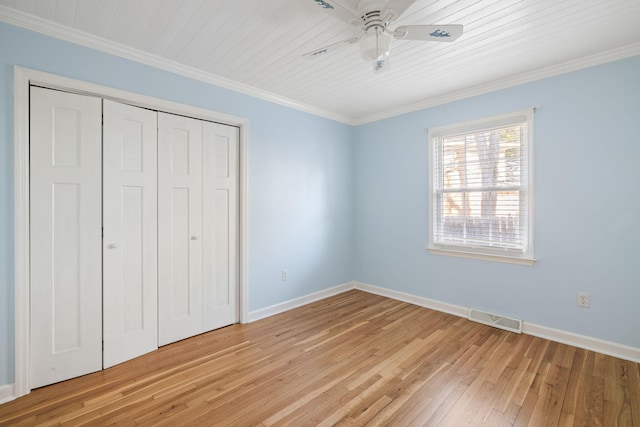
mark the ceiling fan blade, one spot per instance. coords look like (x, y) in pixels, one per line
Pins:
(339, 11)
(334, 46)
(397, 7)
(435, 33)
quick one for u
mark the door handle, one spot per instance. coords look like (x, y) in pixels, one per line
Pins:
(112, 245)
(194, 237)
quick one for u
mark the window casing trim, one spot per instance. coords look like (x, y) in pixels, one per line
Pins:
(482, 256)
(525, 257)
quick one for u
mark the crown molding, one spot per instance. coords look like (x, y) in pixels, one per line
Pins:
(34, 23)
(53, 29)
(528, 77)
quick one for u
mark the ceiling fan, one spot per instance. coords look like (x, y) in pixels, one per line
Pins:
(374, 17)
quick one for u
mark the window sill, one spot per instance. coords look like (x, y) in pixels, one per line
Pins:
(484, 257)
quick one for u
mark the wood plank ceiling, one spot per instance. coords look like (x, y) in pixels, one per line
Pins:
(259, 43)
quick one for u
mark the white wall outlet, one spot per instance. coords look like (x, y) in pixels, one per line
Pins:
(583, 299)
(285, 275)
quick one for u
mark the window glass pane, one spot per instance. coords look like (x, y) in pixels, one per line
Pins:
(483, 159)
(454, 163)
(480, 197)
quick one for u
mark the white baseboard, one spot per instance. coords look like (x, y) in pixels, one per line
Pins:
(298, 302)
(6, 393)
(415, 300)
(582, 341)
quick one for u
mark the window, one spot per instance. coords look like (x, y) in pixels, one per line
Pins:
(481, 189)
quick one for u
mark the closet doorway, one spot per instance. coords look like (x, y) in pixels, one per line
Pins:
(134, 229)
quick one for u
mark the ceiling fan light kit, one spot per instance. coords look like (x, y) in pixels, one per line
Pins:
(374, 46)
(373, 17)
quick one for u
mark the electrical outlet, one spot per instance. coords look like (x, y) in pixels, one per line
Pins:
(583, 299)
(285, 275)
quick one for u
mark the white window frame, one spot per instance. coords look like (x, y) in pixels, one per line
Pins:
(524, 257)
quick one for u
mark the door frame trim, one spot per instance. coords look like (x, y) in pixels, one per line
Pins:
(23, 78)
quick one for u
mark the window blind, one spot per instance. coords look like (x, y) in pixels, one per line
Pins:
(480, 186)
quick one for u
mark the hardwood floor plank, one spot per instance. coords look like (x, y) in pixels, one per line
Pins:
(632, 387)
(351, 359)
(567, 414)
(431, 400)
(552, 391)
(596, 404)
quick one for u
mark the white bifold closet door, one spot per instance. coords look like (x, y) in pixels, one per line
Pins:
(220, 225)
(130, 244)
(179, 227)
(133, 231)
(65, 235)
(197, 226)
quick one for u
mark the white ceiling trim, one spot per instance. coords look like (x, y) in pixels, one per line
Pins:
(543, 73)
(53, 29)
(34, 23)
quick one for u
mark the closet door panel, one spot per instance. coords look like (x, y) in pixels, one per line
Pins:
(179, 227)
(65, 233)
(130, 232)
(220, 225)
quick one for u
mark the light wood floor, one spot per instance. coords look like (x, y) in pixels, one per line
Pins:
(352, 359)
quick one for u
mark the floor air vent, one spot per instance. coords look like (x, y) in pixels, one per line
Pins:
(496, 320)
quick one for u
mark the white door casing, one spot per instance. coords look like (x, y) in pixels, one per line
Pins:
(130, 281)
(179, 227)
(65, 232)
(220, 225)
(24, 81)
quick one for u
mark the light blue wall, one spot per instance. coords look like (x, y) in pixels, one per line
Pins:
(333, 203)
(300, 197)
(587, 206)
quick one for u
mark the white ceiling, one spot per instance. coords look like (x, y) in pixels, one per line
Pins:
(256, 45)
